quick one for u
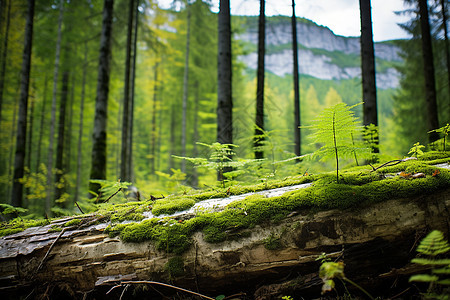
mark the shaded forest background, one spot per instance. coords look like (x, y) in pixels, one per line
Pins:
(173, 107)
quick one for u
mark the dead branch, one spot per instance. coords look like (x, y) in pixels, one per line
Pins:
(391, 163)
(159, 283)
(48, 251)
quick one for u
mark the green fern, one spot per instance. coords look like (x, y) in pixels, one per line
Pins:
(334, 129)
(432, 245)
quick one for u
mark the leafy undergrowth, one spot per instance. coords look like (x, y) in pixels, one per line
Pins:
(358, 186)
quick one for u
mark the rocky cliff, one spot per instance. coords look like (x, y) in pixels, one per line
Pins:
(322, 54)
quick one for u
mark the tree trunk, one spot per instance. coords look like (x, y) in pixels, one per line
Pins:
(185, 90)
(41, 126)
(224, 74)
(259, 121)
(132, 91)
(154, 133)
(49, 199)
(21, 137)
(59, 163)
(369, 88)
(297, 122)
(80, 130)
(4, 53)
(124, 168)
(98, 164)
(447, 51)
(194, 176)
(428, 63)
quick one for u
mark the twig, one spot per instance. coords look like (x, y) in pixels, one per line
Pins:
(113, 195)
(49, 250)
(123, 292)
(76, 203)
(391, 163)
(162, 284)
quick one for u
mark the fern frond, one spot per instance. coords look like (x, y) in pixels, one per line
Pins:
(433, 244)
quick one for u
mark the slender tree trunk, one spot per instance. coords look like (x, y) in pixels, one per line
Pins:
(194, 180)
(80, 130)
(48, 202)
(224, 74)
(41, 126)
(259, 120)
(59, 163)
(185, 90)
(124, 168)
(154, 134)
(4, 53)
(132, 91)
(297, 123)
(21, 137)
(30, 135)
(98, 166)
(428, 62)
(447, 51)
(12, 136)
(172, 136)
(369, 88)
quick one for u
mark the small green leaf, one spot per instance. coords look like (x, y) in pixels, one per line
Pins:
(424, 278)
(220, 297)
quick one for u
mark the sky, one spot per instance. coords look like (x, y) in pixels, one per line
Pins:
(341, 16)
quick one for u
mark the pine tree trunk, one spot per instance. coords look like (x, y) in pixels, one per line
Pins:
(19, 160)
(430, 84)
(124, 168)
(369, 88)
(4, 52)
(41, 126)
(185, 90)
(154, 133)
(259, 120)
(49, 199)
(98, 164)
(80, 130)
(194, 176)
(224, 74)
(224, 89)
(297, 123)
(133, 80)
(59, 163)
(447, 51)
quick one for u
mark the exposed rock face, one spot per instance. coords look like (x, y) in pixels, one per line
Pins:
(373, 241)
(321, 66)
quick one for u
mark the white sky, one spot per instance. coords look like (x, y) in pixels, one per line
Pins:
(341, 16)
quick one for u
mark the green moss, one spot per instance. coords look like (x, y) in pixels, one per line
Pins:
(273, 242)
(175, 267)
(72, 222)
(434, 155)
(18, 225)
(55, 228)
(170, 206)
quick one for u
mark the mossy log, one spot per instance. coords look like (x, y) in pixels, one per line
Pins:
(375, 242)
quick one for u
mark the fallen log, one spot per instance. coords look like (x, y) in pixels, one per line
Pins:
(375, 242)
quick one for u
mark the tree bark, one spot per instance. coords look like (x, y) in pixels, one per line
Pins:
(185, 90)
(428, 64)
(154, 133)
(41, 125)
(297, 121)
(259, 120)
(21, 137)
(59, 163)
(4, 52)
(369, 88)
(124, 168)
(49, 198)
(98, 164)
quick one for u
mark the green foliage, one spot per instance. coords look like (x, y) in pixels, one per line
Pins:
(334, 129)
(109, 189)
(416, 150)
(175, 179)
(445, 130)
(434, 246)
(6, 209)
